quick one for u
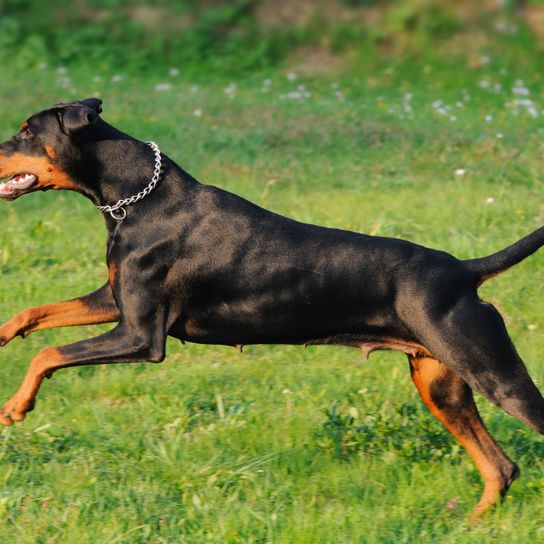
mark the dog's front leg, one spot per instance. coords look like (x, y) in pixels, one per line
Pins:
(96, 307)
(122, 344)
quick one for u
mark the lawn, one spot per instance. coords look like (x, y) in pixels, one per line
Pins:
(277, 444)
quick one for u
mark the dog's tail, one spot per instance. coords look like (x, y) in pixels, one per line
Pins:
(487, 267)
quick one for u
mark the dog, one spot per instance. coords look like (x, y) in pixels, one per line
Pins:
(203, 265)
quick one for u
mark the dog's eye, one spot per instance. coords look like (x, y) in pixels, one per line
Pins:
(25, 134)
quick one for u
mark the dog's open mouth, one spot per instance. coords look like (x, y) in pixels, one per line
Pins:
(16, 185)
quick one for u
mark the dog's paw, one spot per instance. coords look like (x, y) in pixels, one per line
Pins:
(6, 335)
(14, 411)
(12, 328)
(5, 420)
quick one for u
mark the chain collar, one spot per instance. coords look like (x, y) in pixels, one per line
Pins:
(117, 210)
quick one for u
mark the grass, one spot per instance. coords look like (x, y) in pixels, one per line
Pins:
(277, 444)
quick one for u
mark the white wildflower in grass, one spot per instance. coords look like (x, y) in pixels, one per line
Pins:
(520, 90)
(453, 118)
(488, 118)
(116, 78)
(489, 200)
(230, 90)
(42, 65)
(406, 102)
(519, 105)
(532, 327)
(174, 72)
(353, 412)
(497, 87)
(291, 76)
(484, 84)
(97, 79)
(485, 59)
(499, 135)
(61, 70)
(340, 96)
(193, 89)
(440, 108)
(163, 87)
(198, 112)
(267, 82)
(459, 104)
(460, 172)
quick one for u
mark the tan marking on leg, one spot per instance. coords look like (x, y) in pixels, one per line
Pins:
(23, 400)
(112, 271)
(450, 400)
(59, 314)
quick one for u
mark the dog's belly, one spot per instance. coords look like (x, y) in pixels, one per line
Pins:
(311, 327)
(368, 341)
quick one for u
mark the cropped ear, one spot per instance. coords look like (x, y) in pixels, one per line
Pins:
(94, 103)
(75, 116)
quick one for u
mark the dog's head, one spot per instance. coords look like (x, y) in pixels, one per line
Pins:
(40, 155)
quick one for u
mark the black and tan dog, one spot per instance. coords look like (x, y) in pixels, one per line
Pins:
(204, 265)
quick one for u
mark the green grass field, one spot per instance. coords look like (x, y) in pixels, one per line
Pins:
(277, 444)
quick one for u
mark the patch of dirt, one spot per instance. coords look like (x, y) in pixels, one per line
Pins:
(310, 61)
(155, 17)
(535, 20)
(275, 14)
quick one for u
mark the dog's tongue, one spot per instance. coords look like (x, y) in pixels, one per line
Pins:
(16, 183)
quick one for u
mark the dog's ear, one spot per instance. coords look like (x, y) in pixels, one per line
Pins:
(94, 103)
(75, 116)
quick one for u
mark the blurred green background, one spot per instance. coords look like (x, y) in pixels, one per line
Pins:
(215, 38)
(415, 119)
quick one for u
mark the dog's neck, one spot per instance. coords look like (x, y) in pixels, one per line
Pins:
(123, 167)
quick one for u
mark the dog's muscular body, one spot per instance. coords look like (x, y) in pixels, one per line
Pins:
(204, 265)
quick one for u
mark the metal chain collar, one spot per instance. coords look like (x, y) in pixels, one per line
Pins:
(117, 210)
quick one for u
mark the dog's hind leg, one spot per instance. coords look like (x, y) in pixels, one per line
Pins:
(471, 340)
(450, 400)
